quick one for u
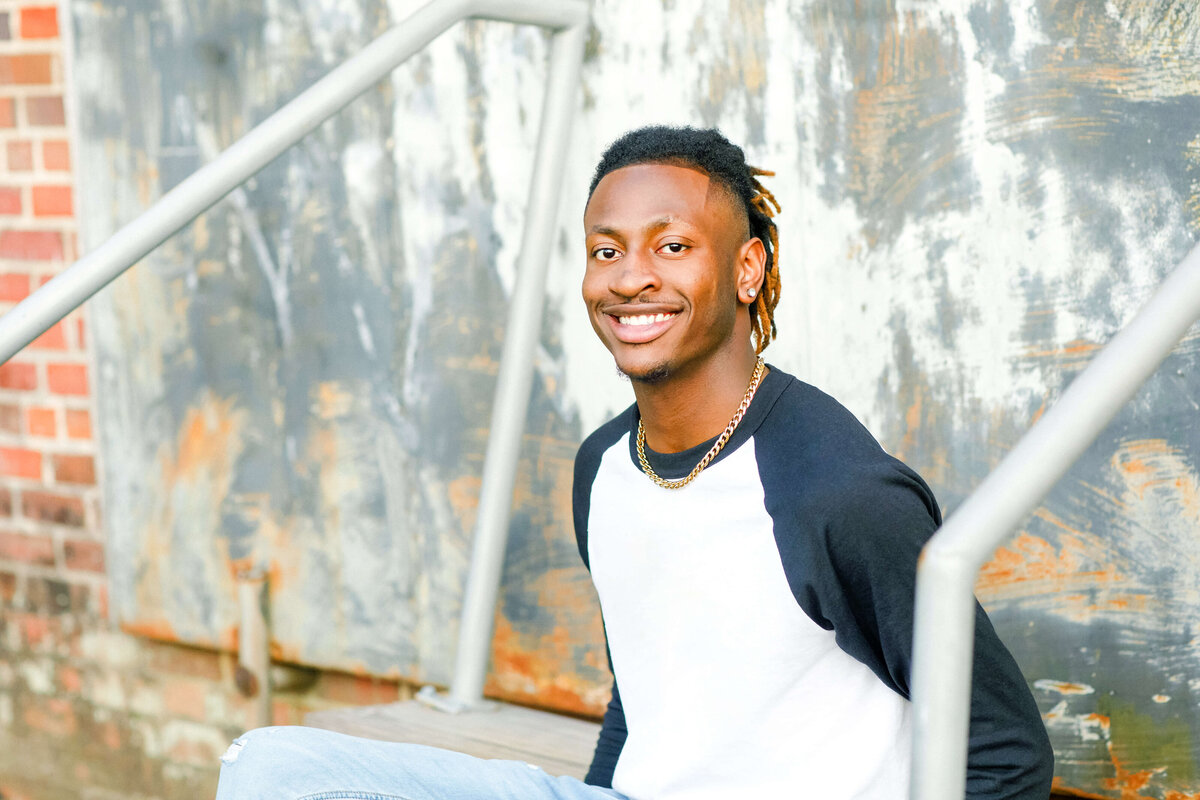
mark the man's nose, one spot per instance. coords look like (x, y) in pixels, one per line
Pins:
(635, 275)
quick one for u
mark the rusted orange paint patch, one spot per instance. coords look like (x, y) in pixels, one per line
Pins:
(463, 493)
(1031, 558)
(535, 670)
(1078, 580)
(1075, 353)
(162, 630)
(151, 629)
(1148, 464)
(204, 441)
(198, 462)
(1059, 787)
(1063, 687)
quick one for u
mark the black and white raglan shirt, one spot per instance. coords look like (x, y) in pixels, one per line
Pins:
(759, 620)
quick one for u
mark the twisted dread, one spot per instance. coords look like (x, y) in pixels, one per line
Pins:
(762, 310)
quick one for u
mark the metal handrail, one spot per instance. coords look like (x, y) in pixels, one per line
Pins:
(242, 160)
(951, 560)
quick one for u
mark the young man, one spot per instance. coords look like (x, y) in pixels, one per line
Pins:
(753, 547)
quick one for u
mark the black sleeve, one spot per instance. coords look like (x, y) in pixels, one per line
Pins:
(587, 464)
(860, 581)
(608, 746)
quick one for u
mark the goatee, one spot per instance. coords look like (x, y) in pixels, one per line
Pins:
(655, 374)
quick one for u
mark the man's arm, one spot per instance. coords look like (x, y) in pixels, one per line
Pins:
(859, 581)
(587, 463)
(872, 542)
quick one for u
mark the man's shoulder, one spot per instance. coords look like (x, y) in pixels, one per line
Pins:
(587, 458)
(822, 457)
(587, 465)
(807, 427)
(609, 433)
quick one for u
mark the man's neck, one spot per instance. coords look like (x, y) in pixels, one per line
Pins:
(685, 410)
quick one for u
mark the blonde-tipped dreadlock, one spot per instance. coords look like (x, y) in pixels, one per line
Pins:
(762, 310)
(723, 161)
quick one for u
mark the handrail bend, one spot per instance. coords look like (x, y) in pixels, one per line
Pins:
(242, 160)
(951, 560)
(204, 188)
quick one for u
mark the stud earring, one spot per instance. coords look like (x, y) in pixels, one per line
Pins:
(752, 291)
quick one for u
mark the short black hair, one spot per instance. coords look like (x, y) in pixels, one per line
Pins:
(707, 150)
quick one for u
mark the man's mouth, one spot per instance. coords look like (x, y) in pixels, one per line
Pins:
(644, 319)
(640, 328)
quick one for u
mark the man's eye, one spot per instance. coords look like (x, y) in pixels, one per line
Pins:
(605, 253)
(675, 247)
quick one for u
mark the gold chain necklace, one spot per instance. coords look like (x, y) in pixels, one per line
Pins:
(755, 380)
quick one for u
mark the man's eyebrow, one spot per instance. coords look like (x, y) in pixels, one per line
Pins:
(654, 225)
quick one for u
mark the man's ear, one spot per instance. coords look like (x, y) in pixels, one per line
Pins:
(751, 263)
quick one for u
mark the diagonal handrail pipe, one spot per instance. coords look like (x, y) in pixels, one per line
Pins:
(951, 560)
(242, 160)
(270, 138)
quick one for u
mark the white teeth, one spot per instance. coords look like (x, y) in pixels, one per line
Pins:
(644, 319)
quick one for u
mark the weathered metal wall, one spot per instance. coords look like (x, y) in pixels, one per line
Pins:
(976, 196)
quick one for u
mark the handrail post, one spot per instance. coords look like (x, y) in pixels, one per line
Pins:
(204, 188)
(510, 407)
(944, 628)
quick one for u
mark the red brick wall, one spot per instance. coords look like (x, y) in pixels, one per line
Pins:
(85, 710)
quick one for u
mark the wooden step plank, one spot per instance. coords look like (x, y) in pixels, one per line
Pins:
(559, 745)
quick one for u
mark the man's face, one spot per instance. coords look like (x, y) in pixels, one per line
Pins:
(661, 286)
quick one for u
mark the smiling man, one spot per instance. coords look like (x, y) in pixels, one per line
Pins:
(753, 547)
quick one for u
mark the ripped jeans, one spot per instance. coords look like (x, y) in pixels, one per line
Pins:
(296, 763)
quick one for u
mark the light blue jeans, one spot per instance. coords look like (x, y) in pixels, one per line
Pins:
(295, 763)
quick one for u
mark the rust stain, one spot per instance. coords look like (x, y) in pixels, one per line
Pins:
(912, 421)
(913, 54)
(332, 400)
(200, 233)
(1078, 581)
(1129, 783)
(285, 651)
(743, 69)
(534, 670)
(1075, 353)
(159, 628)
(1031, 558)
(146, 175)
(200, 462)
(463, 493)
(1153, 463)
(204, 443)
(1124, 783)
(920, 416)
(1119, 505)
(1060, 787)
(911, 51)
(1064, 687)
(1038, 414)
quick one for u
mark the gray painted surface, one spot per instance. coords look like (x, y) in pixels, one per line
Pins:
(975, 196)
